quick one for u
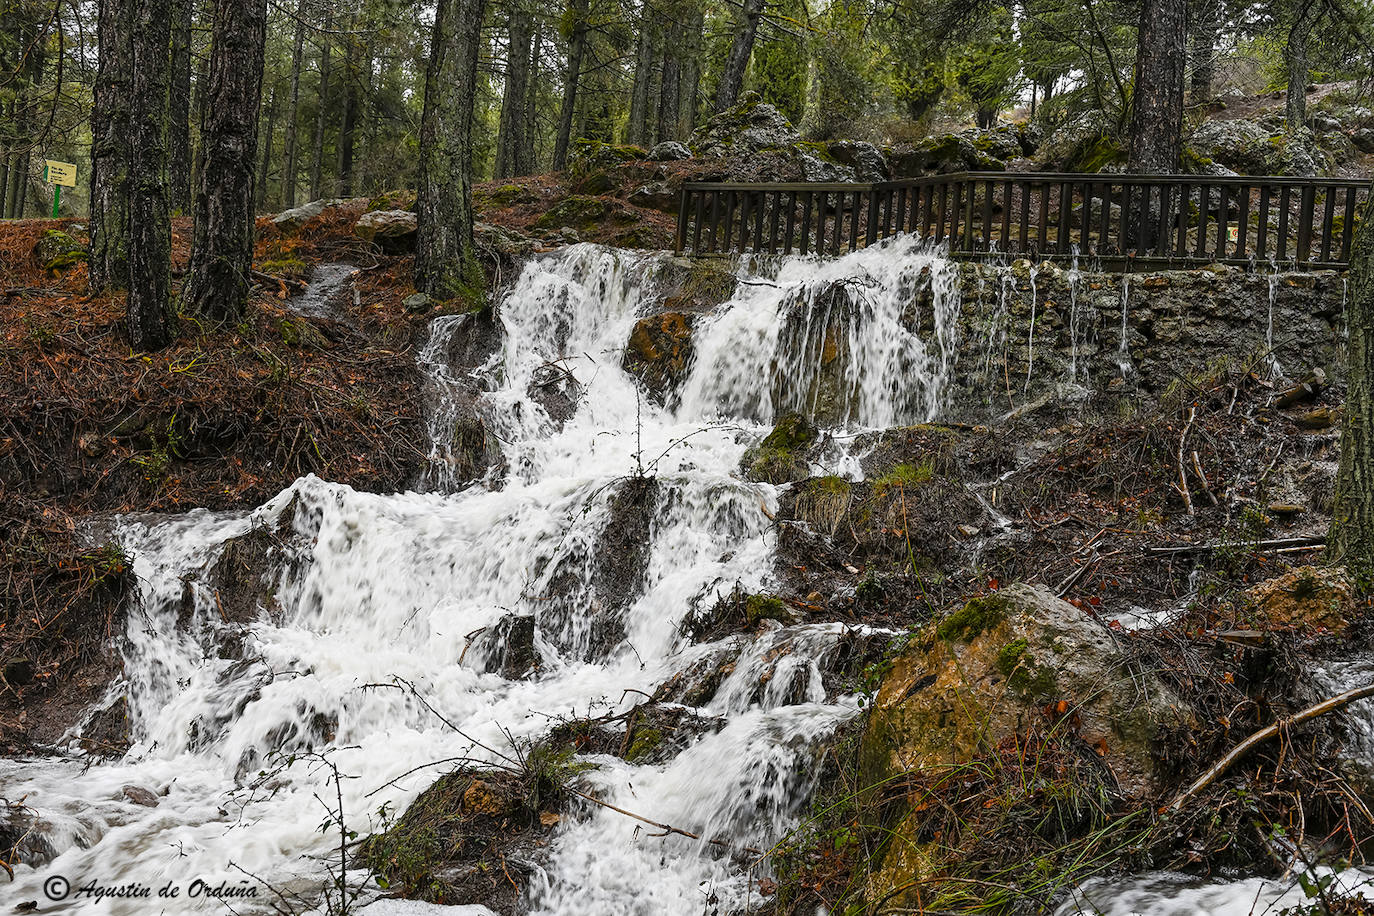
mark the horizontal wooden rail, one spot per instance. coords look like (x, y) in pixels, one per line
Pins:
(1115, 219)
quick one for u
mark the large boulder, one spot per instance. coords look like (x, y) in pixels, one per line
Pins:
(589, 156)
(1257, 147)
(668, 151)
(392, 230)
(1085, 144)
(747, 128)
(867, 161)
(294, 219)
(1014, 660)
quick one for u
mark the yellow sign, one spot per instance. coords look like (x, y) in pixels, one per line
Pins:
(61, 173)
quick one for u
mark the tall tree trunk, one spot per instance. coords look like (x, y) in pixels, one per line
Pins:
(670, 89)
(151, 324)
(1203, 42)
(317, 148)
(1352, 517)
(109, 264)
(1295, 60)
(732, 75)
(577, 43)
(199, 93)
(293, 112)
(690, 79)
(636, 128)
(1157, 108)
(446, 265)
(348, 128)
(511, 143)
(265, 172)
(528, 153)
(179, 108)
(217, 286)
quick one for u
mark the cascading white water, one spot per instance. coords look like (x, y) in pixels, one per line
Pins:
(367, 588)
(1030, 333)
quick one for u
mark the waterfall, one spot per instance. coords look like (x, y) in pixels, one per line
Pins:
(1030, 333)
(358, 590)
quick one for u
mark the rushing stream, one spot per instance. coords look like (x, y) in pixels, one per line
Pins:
(372, 593)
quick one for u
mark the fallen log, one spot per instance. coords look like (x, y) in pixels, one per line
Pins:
(1264, 734)
(1302, 543)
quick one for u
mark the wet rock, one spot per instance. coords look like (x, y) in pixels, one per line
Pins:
(867, 161)
(557, 391)
(106, 731)
(139, 796)
(659, 352)
(22, 836)
(1363, 139)
(416, 302)
(749, 127)
(668, 151)
(503, 242)
(782, 456)
(584, 603)
(507, 648)
(1309, 598)
(392, 230)
(657, 195)
(983, 673)
(56, 250)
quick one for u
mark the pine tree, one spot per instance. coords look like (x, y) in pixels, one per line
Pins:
(446, 265)
(217, 286)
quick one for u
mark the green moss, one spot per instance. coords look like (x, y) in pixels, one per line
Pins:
(775, 459)
(1095, 154)
(65, 260)
(579, 211)
(830, 484)
(758, 608)
(1009, 656)
(646, 741)
(905, 475)
(820, 150)
(287, 267)
(973, 619)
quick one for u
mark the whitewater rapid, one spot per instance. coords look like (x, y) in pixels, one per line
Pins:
(371, 592)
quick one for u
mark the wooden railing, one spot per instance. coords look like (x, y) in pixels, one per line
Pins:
(1115, 219)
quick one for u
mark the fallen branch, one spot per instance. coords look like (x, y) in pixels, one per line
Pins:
(666, 828)
(1303, 543)
(1264, 734)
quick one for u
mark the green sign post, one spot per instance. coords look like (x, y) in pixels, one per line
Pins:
(60, 174)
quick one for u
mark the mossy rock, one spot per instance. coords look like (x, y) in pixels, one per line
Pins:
(973, 619)
(591, 155)
(576, 211)
(758, 608)
(983, 673)
(399, 199)
(498, 198)
(57, 251)
(781, 456)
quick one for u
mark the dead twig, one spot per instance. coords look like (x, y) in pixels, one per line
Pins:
(1221, 766)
